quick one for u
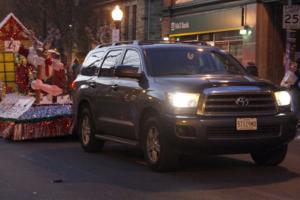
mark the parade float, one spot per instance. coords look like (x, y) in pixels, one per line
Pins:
(34, 87)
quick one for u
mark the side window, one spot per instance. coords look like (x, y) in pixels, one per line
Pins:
(132, 58)
(110, 62)
(91, 64)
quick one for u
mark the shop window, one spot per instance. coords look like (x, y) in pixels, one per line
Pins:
(7, 69)
(228, 35)
(206, 37)
(222, 45)
(235, 48)
(187, 38)
(230, 41)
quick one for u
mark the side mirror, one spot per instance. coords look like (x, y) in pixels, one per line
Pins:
(127, 71)
(252, 70)
(89, 71)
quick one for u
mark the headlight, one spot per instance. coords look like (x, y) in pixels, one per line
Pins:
(183, 100)
(283, 98)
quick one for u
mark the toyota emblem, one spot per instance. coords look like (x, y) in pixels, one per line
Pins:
(242, 101)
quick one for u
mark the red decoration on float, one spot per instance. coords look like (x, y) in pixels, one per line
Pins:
(32, 130)
(22, 78)
(12, 28)
(48, 63)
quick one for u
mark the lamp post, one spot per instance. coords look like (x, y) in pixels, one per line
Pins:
(117, 16)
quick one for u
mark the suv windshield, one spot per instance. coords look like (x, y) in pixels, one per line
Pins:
(190, 61)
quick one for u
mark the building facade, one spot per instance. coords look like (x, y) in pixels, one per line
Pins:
(251, 30)
(141, 19)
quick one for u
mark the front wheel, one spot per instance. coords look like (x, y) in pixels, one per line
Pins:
(157, 152)
(86, 130)
(271, 156)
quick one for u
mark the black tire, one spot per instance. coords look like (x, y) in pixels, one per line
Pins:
(270, 157)
(88, 141)
(167, 159)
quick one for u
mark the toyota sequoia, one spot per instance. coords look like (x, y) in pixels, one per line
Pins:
(179, 99)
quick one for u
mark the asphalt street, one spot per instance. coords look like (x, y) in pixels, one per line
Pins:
(59, 169)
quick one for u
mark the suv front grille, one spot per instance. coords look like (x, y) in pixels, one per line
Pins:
(227, 104)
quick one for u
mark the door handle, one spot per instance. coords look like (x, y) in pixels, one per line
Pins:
(114, 87)
(92, 85)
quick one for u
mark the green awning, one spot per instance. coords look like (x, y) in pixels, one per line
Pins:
(207, 21)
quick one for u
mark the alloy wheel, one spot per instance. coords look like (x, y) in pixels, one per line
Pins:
(85, 130)
(153, 145)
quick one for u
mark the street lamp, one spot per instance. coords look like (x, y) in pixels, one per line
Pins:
(246, 30)
(117, 16)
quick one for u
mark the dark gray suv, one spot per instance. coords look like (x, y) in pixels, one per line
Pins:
(179, 99)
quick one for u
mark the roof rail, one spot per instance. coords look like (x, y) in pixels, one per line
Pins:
(116, 43)
(145, 42)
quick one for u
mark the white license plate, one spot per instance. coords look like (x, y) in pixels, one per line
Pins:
(246, 124)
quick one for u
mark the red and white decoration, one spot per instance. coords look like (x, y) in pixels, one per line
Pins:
(43, 72)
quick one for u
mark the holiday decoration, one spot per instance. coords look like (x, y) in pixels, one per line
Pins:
(14, 105)
(50, 89)
(13, 34)
(34, 69)
(46, 63)
(38, 122)
(12, 28)
(24, 72)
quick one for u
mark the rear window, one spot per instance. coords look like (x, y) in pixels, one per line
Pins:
(190, 61)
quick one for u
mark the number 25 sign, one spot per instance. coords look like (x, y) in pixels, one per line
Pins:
(291, 17)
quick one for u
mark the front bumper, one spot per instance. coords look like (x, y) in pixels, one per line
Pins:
(218, 135)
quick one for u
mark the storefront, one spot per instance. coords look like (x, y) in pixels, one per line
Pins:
(222, 28)
(251, 30)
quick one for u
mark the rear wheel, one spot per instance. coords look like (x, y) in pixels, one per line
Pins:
(157, 152)
(86, 130)
(271, 156)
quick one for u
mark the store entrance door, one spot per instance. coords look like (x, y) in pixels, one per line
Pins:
(235, 48)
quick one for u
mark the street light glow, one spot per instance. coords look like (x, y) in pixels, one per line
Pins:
(117, 14)
(245, 31)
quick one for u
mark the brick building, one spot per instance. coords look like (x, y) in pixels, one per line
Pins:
(141, 19)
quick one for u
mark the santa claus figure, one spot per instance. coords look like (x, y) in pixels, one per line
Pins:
(51, 77)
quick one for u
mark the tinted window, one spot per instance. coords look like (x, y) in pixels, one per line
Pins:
(132, 58)
(92, 63)
(190, 61)
(111, 60)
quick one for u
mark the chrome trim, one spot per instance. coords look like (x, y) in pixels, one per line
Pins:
(238, 91)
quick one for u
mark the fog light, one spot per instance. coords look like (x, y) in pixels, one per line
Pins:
(185, 131)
